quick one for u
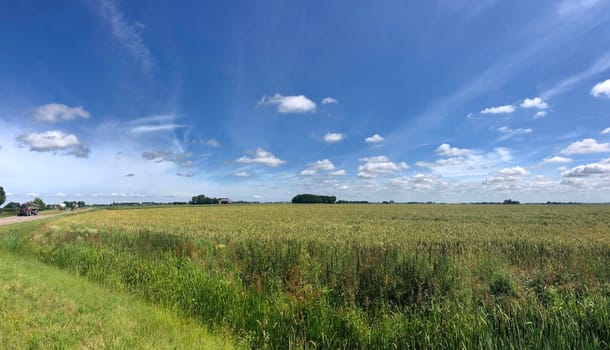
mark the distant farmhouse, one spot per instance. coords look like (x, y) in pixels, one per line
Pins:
(224, 201)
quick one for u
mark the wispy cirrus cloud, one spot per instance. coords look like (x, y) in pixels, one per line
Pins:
(142, 129)
(509, 133)
(127, 34)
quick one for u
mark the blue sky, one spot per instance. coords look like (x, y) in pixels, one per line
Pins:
(390, 100)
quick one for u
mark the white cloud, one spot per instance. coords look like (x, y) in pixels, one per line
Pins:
(289, 104)
(465, 162)
(446, 150)
(168, 156)
(185, 174)
(508, 132)
(535, 102)
(241, 174)
(586, 146)
(540, 114)
(212, 143)
(307, 172)
(593, 169)
(508, 175)
(127, 34)
(332, 137)
(514, 171)
(374, 139)
(601, 65)
(33, 194)
(262, 157)
(379, 165)
(155, 128)
(556, 160)
(569, 8)
(340, 172)
(329, 100)
(601, 89)
(499, 109)
(606, 131)
(54, 112)
(54, 141)
(324, 164)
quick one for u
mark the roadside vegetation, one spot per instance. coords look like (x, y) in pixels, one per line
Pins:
(42, 307)
(352, 276)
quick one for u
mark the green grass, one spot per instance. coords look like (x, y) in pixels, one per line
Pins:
(42, 307)
(352, 276)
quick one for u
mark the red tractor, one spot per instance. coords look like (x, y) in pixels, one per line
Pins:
(28, 209)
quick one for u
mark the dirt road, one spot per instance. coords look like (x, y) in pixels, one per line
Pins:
(16, 219)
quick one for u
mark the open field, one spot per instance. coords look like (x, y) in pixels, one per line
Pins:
(351, 276)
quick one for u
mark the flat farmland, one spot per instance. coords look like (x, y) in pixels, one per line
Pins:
(351, 276)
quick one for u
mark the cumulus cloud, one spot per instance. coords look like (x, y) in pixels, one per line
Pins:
(312, 169)
(556, 160)
(289, 104)
(374, 139)
(307, 172)
(241, 174)
(340, 172)
(606, 131)
(508, 175)
(446, 150)
(499, 109)
(379, 165)
(168, 156)
(54, 141)
(508, 132)
(329, 100)
(185, 174)
(601, 89)
(262, 157)
(420, 182)
(586, 146)
(540, 114)
(324, 164)
(465, 162)
(333, 137)
(212, 143)
(54, 112)
(535, 102)
(602, 168)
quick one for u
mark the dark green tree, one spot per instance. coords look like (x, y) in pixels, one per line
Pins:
(313, 198)
(40, 203)
(2, 195)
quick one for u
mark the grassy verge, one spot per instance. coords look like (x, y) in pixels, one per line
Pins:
(43, 307)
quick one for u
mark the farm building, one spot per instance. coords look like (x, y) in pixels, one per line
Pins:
(224, 201)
